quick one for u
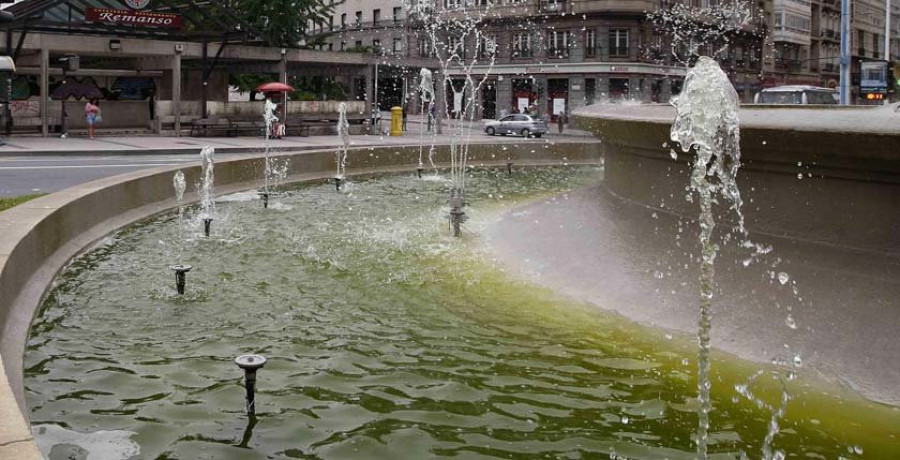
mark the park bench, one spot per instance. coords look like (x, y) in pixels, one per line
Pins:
(205, 127)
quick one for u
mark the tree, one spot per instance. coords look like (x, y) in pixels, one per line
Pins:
(283, 22)
(248, 82)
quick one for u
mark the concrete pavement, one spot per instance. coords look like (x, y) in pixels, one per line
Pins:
(45, 165)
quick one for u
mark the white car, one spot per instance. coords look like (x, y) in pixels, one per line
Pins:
(798, 94)
(525, 125)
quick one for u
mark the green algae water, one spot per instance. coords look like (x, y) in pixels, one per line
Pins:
(386, 338)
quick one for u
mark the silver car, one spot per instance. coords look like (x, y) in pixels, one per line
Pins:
(526, 125)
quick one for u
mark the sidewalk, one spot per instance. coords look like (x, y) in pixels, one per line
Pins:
(158, 145)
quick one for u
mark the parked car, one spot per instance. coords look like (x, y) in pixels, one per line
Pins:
(526, 125)
(797, 95)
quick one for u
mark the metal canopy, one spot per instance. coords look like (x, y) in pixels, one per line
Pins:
(202, 20)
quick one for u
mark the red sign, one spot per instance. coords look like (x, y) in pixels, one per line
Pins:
(136, 18)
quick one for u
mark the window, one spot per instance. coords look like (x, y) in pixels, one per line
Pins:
(397, 14)
(521, 45)
(398, 46)
(590, 90)
(488, 46)
(559, 44)
(358, 45)
(452, 4)
(425, 48)
(343, 21)
(618, 42)
(590, 43)
(376, 17)
(359, 19)
(331, 47)
(456, 47)
(343, 46)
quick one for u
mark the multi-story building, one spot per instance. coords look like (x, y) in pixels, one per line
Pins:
(561, 54)
(806, 40)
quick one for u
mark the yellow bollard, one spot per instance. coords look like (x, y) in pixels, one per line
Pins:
(396, 121)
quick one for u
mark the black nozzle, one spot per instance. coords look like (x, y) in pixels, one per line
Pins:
(509, 165)
(250, 364)
(265, 199)
(180, 278)
(207, 223)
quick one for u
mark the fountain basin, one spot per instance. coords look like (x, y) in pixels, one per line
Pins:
(850, 187)
(42, 235)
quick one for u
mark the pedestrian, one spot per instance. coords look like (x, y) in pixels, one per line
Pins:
(93, 115)
(404, 119)
(561, 121)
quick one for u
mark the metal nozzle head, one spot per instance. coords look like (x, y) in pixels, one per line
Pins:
(250, 362)
(181, 268)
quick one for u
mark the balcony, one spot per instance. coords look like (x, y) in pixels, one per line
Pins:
(790, 65)
(558, 53)
(552, 6)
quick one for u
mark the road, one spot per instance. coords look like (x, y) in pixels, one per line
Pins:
(47, 174)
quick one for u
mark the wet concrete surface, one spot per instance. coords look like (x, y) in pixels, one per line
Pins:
(643, 264)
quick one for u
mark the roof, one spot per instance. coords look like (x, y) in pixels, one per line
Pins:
(209, 20)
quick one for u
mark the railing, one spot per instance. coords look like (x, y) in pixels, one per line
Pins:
(788, 64)
(558, 53)
(552, 6)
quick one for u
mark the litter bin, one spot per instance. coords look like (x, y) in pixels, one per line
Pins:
(396, 121)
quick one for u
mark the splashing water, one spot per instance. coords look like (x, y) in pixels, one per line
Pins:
(426, 88)
(180, 186)
(343, 131)
(707, 122)
(207, 202)
(270, 119)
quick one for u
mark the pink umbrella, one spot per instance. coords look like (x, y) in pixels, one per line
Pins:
(274, 87)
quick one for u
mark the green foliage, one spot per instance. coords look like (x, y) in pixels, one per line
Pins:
(248, 82)
(283, 22)
(314, 88)
(6, 203)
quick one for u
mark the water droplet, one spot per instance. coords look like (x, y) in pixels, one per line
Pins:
(764, 142)
(783, 278)
(668, 336)
(789, 321)
(673, 154)
(800, 176)
(625, 419)
(797, 361)
(858, 450)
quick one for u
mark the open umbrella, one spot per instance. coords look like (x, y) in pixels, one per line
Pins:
(77, 90)
(274, 87)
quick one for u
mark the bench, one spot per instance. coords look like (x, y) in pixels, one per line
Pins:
(203, 127)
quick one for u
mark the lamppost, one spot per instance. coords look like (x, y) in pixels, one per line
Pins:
(72, 63)
(845, 52)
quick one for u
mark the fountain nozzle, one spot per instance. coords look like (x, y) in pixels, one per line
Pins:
(180, 271)
(337, 183)
(419, 171)
(207, 223)
(250, 364)
(457, 215)
(265, 199)
(509, 165)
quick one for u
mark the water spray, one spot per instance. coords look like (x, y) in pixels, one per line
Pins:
(180, 278)
(250, 364)
(457, 215)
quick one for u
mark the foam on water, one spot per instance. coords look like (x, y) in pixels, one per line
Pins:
(100, 445)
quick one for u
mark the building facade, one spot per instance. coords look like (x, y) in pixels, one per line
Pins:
(557, 55)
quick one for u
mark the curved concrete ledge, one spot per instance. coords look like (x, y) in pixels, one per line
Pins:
(41, 236)
(849, 193)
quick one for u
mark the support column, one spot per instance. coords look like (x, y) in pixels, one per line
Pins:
(204, 90)
(369, 75)
(576, 93)
(282, 77)
(504, 95)
(176, 92)
(45, 84)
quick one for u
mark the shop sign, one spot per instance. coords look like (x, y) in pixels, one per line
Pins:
(137, 4)
(619, 69)
(135, 18)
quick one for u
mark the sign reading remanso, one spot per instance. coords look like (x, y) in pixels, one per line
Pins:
(136, 18)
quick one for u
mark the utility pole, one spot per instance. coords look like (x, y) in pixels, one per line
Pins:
(845, 52)
(887, 46)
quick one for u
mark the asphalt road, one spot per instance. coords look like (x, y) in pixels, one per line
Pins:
(46, 174)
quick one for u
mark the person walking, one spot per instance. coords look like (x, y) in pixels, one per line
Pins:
(92, 115)
(561, 120)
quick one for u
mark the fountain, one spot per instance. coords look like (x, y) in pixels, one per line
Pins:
(207, 196)
(180, 271)
(180, 186)
(426, 91)
(270, 119)
(343, 131)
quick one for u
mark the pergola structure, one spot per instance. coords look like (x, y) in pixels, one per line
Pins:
(187, 48)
